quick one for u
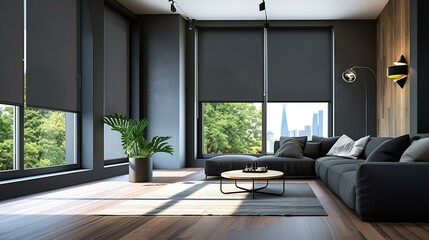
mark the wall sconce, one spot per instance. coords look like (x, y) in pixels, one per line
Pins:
(399, 71)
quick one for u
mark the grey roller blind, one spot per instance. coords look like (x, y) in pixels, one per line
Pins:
(116, 77)
(299, 64)
(230, 65)
(116, 62)
(12, 52)
(52, 54)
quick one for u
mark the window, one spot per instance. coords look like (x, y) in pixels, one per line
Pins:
(232, 128)
(38, 130)
(295, 119)
(49, 138)
(7, 137)
(254, 86)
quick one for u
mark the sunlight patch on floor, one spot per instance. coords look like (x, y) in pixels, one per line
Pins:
(161, 173)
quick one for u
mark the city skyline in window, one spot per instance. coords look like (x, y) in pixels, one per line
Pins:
(295, 119)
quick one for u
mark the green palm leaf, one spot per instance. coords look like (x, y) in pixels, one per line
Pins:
(133, 136)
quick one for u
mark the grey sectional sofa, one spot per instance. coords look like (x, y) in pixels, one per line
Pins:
(376, 190)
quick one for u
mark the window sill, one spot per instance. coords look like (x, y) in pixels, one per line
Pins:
(116, 165)
(30, 178)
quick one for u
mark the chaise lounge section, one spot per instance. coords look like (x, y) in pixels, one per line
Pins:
(291, 167)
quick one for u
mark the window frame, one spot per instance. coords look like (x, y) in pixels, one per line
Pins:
(200, 128)
(200, 133)
(329, 117)
(20, 171)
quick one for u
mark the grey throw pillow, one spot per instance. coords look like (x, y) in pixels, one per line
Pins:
(417, 152)
(312, 149)
(325, 143)
(300, 140)
(391, 150)
(291, 147)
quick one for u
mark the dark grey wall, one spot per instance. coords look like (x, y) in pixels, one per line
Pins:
(354, 44)
(419, 66)
(164, 76)
(412, 77)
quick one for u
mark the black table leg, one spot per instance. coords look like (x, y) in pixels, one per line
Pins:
(253, 189)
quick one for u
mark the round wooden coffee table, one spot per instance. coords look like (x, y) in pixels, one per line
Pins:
(240, 175)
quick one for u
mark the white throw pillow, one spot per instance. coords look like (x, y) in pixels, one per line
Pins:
(346, 147)
(343, 145)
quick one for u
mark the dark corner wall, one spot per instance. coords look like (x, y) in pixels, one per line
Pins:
(419, 67)
(355, 44)
(164, 84)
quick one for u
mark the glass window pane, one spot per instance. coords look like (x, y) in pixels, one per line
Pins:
(7, 140)
(295, 119)
(232, 128)
(49, 138)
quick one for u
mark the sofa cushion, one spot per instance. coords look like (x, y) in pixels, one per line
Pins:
(417, 152)
(347, 188)
(335, 173)
(325, 143)
(291, 167)
(291, 147)
(347, 147)
(312, 150)
(321, 160)
(371, 145)
(390, 150)
(216, 165)
(325, 165)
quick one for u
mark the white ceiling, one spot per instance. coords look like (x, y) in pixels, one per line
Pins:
(249, 9)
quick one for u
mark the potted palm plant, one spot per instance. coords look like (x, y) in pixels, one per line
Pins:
(137, 148)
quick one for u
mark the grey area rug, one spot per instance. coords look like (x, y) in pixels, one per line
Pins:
(199, 198)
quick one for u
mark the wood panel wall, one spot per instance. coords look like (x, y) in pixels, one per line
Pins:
(393, 40)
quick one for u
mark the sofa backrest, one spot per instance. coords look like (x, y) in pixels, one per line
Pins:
(327, 143)
(371, 145)
(311, 149)
(276, 146)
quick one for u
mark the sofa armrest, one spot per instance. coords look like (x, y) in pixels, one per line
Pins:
(392, 191)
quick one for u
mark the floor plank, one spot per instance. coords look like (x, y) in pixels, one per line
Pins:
(69, 213)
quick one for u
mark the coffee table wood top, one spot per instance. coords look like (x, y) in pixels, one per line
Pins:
(240, 175)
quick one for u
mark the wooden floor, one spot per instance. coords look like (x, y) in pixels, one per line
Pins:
(69, 213)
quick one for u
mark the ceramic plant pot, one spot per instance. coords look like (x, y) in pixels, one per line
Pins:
(140, 170)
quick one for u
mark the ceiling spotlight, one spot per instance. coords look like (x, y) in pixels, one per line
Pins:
(262, 6)
(172, 8)
(190, 25)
